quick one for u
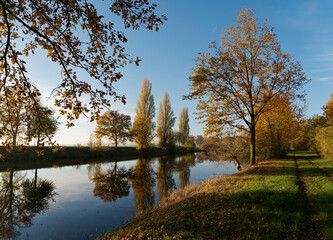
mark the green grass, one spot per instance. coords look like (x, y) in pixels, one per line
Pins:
(262, 202)
(320, 193)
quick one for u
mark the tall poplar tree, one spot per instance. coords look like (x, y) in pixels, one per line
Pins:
(235, 85)
(165, 122)
(184, 127)
(143, 126)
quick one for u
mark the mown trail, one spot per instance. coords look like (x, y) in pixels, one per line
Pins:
(290, 198)
(316, 181)
(310, 231)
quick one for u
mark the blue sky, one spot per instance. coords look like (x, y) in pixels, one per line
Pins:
(304, 30)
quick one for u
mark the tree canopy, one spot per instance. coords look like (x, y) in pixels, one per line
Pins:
(184, 127)
(42, 125)
(143, 126)
(115, 126)
(234, 86)
(165, 122)
(76, 36)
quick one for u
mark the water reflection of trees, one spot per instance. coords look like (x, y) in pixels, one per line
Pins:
(183, 166)
(112, 184)
(21, 199)
(143, 183)
(165, 182)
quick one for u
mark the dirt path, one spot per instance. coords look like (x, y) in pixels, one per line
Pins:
(310, 229)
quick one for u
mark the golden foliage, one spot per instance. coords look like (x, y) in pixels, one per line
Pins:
(74, 35)
(143, 130)
(115, 126)
(234, 85)
(277, 128)
(165, 122)
(183, 126)
(328, 111)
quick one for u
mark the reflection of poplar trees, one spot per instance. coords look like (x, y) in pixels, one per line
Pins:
(20, 200)
(184, 165)
(165, 182)
(92, 169)
(143, 183)
(112, 184)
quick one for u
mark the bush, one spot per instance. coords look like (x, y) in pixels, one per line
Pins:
(95, 142)
(324, 139)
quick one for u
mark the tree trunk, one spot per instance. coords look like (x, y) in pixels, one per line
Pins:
(35, 180)
(15, 136)
(38, 138)
(14, 140)
(278, 143)
(239, 167)
(253, 146)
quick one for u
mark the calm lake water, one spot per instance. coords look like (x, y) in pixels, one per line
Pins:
(84, 201)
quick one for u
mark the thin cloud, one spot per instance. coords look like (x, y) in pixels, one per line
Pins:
(325, 79)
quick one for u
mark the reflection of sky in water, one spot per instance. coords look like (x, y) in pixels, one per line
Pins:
(77, 214)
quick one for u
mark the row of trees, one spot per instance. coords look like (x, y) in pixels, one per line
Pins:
(316, 133)
(118, 128)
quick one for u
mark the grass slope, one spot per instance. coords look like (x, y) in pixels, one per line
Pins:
(280, 199)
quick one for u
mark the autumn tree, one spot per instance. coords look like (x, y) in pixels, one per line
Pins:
(278, 127)
(234, 86)
(15, 112)
(143, 131)
(76, 36)
(95, 142)
(328, 111)
(115, 126)
(42, 124)
(143, 127)
(324, 134)
(184, 127)
(165, 122)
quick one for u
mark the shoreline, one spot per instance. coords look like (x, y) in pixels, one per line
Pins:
(79, 155)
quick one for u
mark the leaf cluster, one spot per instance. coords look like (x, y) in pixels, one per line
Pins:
(75, 36)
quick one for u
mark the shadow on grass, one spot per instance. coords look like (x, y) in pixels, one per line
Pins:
(266, 169)
(242, 215)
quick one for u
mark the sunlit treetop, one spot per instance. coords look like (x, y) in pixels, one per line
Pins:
(73, 34)
(235, 84)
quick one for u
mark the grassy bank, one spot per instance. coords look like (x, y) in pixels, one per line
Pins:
(289, 198)
(28, 159)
